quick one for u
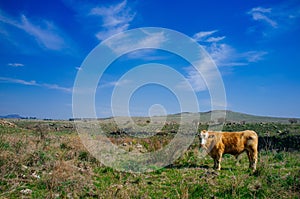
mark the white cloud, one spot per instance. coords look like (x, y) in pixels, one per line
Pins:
(283, 16)
(264, 15)
(203, 34)
(113, 15)
(34, 83)
(56, 87)
(146, 55)
(215, 39)
(46, 36)
(224, 54)
(261, 10)
(200, 76)
(220, 53)
(115, 83)
(102, 35)
(254, 56)
(124, 42)
(15, 64)
(45, 33)
(115, 19)
(195, 79)
(18, 81)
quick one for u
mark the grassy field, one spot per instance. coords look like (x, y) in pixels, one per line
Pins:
(46, 159)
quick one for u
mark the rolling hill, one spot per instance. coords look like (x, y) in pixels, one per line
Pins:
(11, 116)
(232, 116)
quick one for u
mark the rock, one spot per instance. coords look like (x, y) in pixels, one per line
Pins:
(26, 191)
(35, 175)
(69, 195)
(24, 167)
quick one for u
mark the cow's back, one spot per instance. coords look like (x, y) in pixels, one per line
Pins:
(237, 142)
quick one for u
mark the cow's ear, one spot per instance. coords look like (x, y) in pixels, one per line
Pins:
(211, 136)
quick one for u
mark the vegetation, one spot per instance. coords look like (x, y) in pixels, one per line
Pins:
(46, 159)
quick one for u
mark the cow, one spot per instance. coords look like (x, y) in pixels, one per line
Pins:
(218, 143)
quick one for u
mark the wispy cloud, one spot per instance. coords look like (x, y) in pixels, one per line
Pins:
(282, 17)
(115, 19)
(18, 81)
(215, 39)
(263, 15)
(146, 55)
(124, 42)
(47, 36)
(115, 83)
(15, 64)
(56, 87)
(206, 36)
(34, 83)
(45, 33)
(225, 55)
(195, 79)
(221, 53)
(199, 36)
(201, 75)
(253, 56)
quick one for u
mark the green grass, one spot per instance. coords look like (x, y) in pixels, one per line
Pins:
(66, 169)
(195, 182)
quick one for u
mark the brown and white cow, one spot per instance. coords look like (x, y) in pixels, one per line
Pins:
(218, 143)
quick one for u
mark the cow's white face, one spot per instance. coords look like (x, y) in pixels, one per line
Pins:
(204, 137)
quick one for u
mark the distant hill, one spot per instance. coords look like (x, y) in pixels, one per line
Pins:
(12, 116)
(239, 117)
(205, 117)
(232, 116)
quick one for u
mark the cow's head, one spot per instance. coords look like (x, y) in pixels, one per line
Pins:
(204, 138)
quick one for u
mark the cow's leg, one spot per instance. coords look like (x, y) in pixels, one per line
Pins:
(252, 156)
(217, 162)
(254, 159)
(249, 158)
(238, 159)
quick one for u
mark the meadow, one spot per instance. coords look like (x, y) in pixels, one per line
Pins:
(46, 159)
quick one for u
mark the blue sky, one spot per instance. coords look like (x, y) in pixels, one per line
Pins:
(253, 43)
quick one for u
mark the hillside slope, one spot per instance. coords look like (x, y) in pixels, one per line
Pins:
(232, 116)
